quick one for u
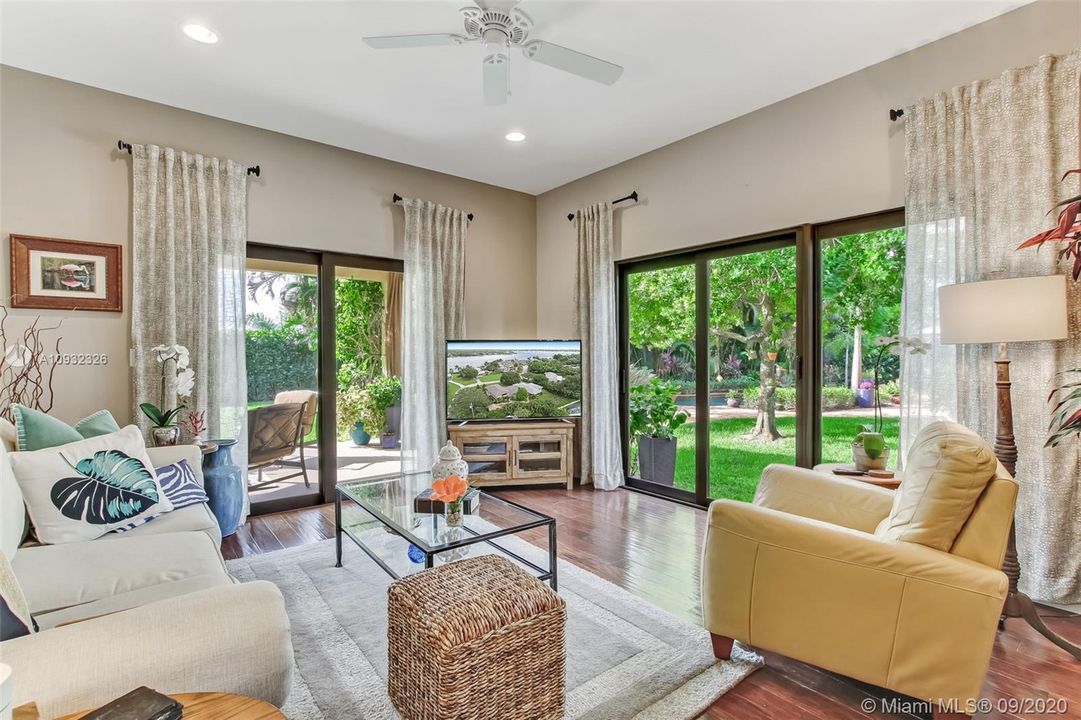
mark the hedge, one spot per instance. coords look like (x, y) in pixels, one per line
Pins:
(833, 398)
(278, 359)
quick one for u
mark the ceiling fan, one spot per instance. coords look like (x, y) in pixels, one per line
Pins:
(499, 26)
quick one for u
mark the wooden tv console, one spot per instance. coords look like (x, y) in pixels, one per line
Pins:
(537, 452)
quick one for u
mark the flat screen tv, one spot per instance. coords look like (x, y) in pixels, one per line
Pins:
(513, 379)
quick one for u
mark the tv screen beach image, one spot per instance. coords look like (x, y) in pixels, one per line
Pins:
(488, 380)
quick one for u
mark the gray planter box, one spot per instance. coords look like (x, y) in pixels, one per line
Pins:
(657, 459)
(394, 419)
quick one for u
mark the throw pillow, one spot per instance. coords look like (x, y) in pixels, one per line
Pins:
(82, 490)
(947, 469)
(15, 620)
(35, 430)
(179, 485)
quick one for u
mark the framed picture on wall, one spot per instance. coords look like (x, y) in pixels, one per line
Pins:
(53, 274)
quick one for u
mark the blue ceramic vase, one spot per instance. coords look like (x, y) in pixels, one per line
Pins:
(224, 486)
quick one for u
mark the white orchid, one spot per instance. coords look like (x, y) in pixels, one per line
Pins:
(185, 382)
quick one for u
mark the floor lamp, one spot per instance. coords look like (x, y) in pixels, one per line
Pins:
(1007, 311)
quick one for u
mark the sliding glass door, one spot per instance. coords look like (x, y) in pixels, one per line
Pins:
(323, 357)
(710, 366)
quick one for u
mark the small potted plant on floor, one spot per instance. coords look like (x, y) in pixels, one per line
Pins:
(654, 419)
(384, 409)
(351, 421)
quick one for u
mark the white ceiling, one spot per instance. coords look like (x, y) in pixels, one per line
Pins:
(300, 68)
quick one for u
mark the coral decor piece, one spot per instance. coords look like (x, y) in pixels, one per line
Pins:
(1066, 231)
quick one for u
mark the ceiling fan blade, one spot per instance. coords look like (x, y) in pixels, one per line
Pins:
(387, 42)
(572, 61)
(496, 78)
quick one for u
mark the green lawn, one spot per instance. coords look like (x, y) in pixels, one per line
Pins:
(736, 463)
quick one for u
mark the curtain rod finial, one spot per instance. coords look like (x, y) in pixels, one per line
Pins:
(121, 145)
(395, 198)
(896, 114)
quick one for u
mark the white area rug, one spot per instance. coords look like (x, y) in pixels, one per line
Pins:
(626, 658)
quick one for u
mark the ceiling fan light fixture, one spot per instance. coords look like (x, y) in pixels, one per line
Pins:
(515, 136)
(200, 33)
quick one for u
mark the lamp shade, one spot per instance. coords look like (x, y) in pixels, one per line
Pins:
(996, 311)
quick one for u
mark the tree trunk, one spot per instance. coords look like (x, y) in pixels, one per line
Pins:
(857, 358)
(765, 426)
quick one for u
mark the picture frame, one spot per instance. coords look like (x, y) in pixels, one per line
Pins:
(56, 274)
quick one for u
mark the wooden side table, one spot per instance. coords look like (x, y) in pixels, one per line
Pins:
(887, 483)
(219, 706)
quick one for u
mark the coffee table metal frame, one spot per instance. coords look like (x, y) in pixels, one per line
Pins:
(549, 573)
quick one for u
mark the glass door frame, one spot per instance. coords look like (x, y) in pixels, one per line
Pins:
(806, 239)
(700, 257)
(326, 264)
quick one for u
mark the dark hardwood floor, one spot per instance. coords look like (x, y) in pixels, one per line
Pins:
(652, 548)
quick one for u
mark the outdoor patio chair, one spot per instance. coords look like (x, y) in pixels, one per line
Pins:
(274, 432)
(310, 400)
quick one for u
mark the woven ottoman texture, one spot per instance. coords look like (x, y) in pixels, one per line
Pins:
(477, 639)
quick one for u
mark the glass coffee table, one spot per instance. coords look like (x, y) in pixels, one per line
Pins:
(378, 516)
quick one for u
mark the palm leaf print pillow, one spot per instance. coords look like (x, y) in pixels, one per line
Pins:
(82, 490)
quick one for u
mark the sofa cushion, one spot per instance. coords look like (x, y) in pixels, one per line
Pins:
(947, 469)
(194, 518)
(82, 490)
(132, 599)
(58, 576)
(35, 430)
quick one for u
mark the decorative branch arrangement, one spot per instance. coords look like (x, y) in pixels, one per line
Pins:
(1066, 415)
(26, 367)
(1067, 230)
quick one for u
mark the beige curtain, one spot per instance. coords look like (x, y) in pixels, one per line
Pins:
(189, 241)
(433, 310)
(983, 167)
(392, 326)
(597, 326)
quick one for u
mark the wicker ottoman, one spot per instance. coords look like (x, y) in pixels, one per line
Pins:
(478, 639)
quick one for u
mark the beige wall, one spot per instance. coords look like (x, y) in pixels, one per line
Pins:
(826, 154)
(61, 176)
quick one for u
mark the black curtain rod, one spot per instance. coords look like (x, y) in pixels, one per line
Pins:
(632, 197)
(396, 198)
(121, 145)
(897, 114)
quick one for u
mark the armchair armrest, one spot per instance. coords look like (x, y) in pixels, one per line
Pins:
(162, 456)
(819, 496)
(233, 638)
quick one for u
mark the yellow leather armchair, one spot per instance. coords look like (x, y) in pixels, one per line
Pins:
(814, 570)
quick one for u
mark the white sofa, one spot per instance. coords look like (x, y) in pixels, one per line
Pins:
(152, 606)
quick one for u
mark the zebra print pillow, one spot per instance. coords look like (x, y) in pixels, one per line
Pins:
(179, 485)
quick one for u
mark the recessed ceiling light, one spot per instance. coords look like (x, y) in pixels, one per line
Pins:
(200, 33)
(515, 136)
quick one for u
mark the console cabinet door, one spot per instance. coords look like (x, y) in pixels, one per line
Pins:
(539, 456)
(488, 456)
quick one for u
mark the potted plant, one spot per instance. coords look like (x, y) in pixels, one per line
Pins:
(164, 430)
(865, 394)
(384, 409)
(1066, 414)
(869, 450)
(351, 408)
(654, 419)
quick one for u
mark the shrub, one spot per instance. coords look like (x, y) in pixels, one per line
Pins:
(278, 359)
(783, 397)
(837, 397)
(888, 390)
(521, 395)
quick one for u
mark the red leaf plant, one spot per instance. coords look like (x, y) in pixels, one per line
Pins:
(1067, 230)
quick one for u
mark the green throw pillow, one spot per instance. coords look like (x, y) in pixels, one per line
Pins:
(36, 430)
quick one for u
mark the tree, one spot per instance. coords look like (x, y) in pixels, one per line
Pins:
(521, 395)
(358, 330)
(468, 372)
(469, 402)
(297, 294)
(862, 278)
(509, 378)
(753, 303)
